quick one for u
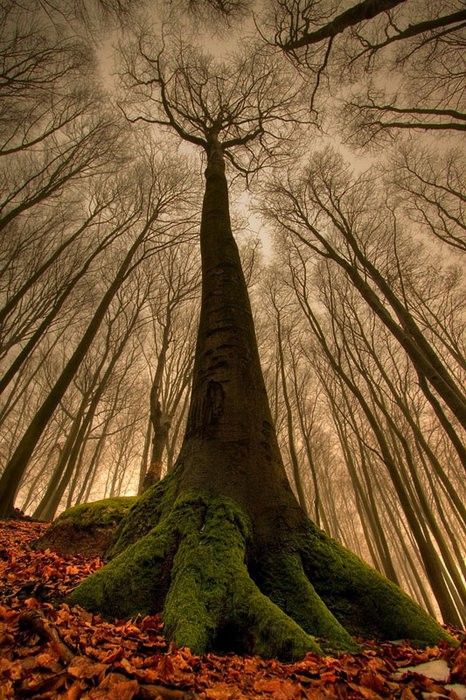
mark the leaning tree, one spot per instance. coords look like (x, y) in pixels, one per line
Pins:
(221, 545)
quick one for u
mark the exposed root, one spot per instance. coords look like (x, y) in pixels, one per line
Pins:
(284, 580)
(194, 566)
(87, 528)
(213, 601)
(134, 582)
(364, 601)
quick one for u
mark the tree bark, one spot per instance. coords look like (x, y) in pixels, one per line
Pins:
(160, 427)
(221, 544)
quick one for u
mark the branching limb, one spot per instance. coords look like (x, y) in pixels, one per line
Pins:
(297, 30)
(412, 30)
(246, 103)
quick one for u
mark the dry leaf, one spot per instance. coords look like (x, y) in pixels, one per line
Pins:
(83, 667)
(131, 659)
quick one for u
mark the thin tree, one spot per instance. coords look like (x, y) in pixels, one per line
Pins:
(179, 283)
(324, 202)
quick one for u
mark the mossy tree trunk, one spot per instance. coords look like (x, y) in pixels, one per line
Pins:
(221, 545)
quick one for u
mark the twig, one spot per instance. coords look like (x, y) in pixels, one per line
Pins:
(37, 622)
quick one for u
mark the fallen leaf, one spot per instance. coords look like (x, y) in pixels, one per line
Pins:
(11, 669)
(131, 659)
(372, 680)
(407, 694)
(458, 670)
(75, 691)
(31, 603)
(457, 691)
(366, 693)
(82, 667)
(279, 689)
(165, 667)
(71, 570)
(111, 689)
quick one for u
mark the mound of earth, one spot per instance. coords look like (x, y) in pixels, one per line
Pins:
(87, 528)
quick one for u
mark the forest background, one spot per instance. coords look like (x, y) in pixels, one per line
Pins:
(352, 254)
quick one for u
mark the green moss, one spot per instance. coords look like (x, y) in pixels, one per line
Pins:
(283, 579)
(148, 510)
(87, 528)
(108, 511)
(213, 601)
(193, 566)
(267, 630)
(364, 601)
(134, 582)
(137, 580)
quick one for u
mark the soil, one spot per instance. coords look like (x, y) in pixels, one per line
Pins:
(70, 538)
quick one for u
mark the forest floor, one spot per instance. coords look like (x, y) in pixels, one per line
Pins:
(51, 650)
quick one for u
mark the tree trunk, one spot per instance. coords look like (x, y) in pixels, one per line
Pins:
(41, 512)
(67, 464)
(289, 418)
(160, 428)
(159, 420)
(221, 544)
(145, 456)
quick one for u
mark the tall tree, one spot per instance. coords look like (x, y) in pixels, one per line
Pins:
(178, 283)
(221, 544)
(92, 395)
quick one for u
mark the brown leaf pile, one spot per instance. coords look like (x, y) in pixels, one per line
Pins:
(51, 650)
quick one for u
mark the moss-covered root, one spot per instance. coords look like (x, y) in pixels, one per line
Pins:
(213, 603)
(134, 582)
(192, 565)
(283, 578)
(146, 513)
(364, 601)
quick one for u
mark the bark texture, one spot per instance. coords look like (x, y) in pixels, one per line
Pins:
(221, 545)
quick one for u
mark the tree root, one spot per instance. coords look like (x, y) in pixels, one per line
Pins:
(283, 579)
(364, 601)
(213, 602)
(134, 582)
(194, 566)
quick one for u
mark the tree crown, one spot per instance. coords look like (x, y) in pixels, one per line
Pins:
(246, 102)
